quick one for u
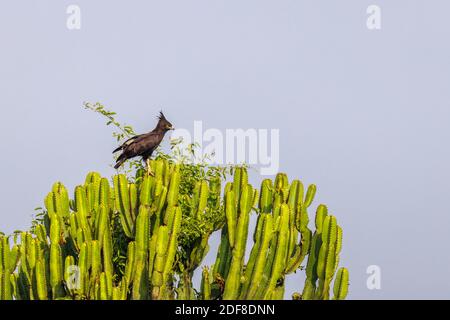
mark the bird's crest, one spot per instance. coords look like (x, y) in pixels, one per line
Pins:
(161, 116)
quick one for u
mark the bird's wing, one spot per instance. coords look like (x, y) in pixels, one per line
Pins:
(144, 144)
(128, 142)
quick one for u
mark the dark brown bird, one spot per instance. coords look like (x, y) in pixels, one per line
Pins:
(143, 145)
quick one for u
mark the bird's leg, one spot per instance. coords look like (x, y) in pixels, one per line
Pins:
(149, 168)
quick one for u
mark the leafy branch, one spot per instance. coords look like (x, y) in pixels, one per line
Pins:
(124, 131)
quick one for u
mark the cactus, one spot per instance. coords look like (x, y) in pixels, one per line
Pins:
(258, 256)
(340, 289)
(145, 237)
(140, 278)
(205, 287)
(122, 203)
(7, 266)
(243, 207)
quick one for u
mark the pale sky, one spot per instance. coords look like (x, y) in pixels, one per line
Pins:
(363, 114)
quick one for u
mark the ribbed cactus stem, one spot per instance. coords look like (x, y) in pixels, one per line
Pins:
(172, 248)
(83, 267)
(224, 255)
(261, 257)
(327, 255)
(145, 196)
(172, 195)
(340, 289)
(122, 203)
(56, 271)
(96, 263)
(159, 261)
(82, 209)
(5, 283)
(231, 216)
(140, 280)
(71, 275)
(107, 250)
(279, 262)
(41, 280)
(310, 193)
(202, 198)
(205, 287)
(133, 191)
(102, 223)
(131, 258)
(266, 196)
(232, 284)
(248, 274)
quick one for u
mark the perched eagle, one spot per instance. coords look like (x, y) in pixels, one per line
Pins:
(143, 145)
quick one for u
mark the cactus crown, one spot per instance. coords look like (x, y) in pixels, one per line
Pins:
(143, 237)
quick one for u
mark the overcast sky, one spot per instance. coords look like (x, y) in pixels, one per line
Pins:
(364, 114)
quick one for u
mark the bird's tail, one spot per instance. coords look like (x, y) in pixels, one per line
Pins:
(119, 162)
(117, 149)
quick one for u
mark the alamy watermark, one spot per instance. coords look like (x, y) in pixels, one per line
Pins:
(73, 277)
(73, 21)
(373, 21)
(256, 147)
(374, 279)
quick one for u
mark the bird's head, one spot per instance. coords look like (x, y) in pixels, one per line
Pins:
(163, 123)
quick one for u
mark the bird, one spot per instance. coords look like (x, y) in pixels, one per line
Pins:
(143, 145)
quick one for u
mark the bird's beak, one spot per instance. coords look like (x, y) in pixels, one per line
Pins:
(172, 128)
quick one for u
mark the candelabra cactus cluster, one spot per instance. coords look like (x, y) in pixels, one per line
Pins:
(144, 237)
